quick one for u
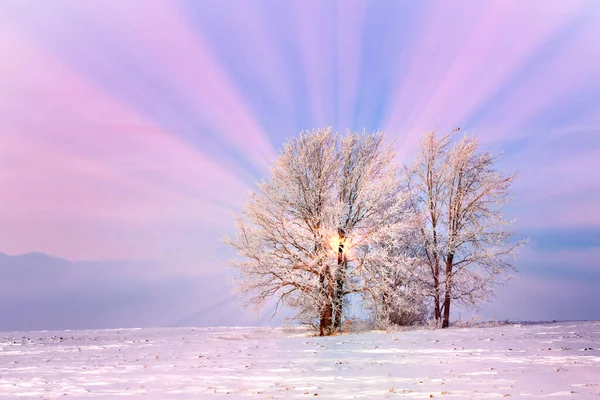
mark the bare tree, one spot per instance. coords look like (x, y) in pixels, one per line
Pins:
(282, 235)
(390, 288)
(312, 233)
(368, 190)
(465, 243)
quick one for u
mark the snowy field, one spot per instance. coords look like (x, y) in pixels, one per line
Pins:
(560, 360)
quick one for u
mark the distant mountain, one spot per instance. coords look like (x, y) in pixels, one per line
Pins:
(41, 292)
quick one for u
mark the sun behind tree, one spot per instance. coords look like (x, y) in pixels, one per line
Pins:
(330, 221)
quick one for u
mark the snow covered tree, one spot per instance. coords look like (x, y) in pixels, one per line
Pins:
(282, 235)
(373, 219)
(324, 226)
(391, 290)
(465, 242)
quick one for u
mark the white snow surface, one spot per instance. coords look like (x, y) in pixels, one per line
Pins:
(559, 360)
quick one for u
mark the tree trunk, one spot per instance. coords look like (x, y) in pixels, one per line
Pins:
(326, 318)
(437, 310)
(342, 263)
(436, 296)
(325, 328)
(446, 321)
(338, 304)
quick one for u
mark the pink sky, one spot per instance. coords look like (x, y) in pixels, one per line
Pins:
(135, 132)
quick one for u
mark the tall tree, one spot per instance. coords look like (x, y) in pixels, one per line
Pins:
(387, 265)
(368, 190)
(465, 242)
(311, 234)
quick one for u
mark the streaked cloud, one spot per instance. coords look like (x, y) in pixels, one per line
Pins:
(133, 132)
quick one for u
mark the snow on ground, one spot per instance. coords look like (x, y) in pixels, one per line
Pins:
(560, 360)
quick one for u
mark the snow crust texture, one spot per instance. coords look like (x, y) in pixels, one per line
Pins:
(560, 360)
